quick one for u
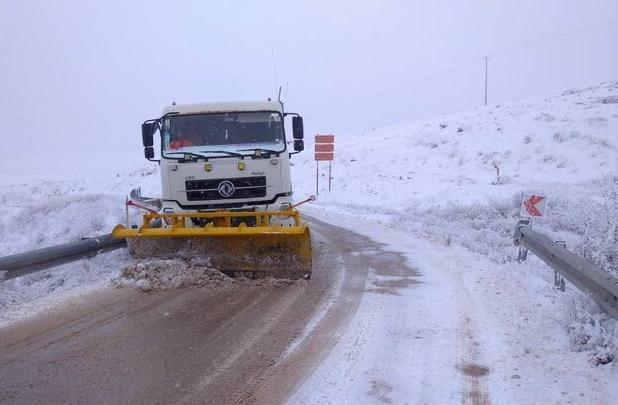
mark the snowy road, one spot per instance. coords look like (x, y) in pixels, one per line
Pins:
(242, 344)
(386, 318)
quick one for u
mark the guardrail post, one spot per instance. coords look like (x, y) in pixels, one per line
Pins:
(558, 279)
(522, 254)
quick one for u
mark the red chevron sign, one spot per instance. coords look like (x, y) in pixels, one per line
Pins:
(533, 205)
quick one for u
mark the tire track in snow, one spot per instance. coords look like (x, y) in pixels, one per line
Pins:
(476, 393)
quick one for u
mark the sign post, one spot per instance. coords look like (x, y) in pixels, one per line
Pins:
(317, 177)
(330, 177)
(324, 150)
(531, 206)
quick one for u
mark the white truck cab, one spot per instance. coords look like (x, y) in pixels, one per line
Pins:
(224, 156)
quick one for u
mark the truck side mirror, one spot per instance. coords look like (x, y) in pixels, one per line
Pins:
(149, 152)
(299, 145)
(148, 130)
(297, 128)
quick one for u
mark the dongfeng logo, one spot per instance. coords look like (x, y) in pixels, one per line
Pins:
(226, 188)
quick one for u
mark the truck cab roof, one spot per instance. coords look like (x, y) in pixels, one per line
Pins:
(224, 107)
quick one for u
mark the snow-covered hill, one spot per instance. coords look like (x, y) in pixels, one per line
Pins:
(439, 177)
(568, 139)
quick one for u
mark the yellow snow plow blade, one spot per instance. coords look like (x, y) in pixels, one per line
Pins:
(232, 241)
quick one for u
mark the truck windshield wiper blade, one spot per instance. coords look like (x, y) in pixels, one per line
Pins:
(261, 150)
(223, 151)
(197, 155)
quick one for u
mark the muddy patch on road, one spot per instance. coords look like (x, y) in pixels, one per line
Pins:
(391, 273)
(392, 286)
(473, 370)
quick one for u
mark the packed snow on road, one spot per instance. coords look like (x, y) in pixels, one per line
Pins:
(470, 320)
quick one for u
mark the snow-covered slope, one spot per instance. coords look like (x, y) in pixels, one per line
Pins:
(439, 177)
(568, 138)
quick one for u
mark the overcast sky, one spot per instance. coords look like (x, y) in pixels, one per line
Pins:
(77, 78)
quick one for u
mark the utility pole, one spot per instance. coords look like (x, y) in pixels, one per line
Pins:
(486, 59)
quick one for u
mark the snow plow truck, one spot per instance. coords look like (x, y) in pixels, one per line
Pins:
(226, 190)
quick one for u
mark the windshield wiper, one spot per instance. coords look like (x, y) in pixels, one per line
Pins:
(223, 151)
(259, 151)
(197, 155)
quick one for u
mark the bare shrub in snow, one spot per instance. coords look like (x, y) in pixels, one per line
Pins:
(548, 158)
(574, 135)
(545, 117)
(590, 224)
(570, 92)
(597, 122)
(607, 100)
(595, 333)
(559, 137)
(485, 228)
(502, 179)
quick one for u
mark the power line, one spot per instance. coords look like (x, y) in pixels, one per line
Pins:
(551, 38)
(492, 54)
(390, 90)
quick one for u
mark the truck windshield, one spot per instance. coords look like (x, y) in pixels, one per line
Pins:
(223, 133)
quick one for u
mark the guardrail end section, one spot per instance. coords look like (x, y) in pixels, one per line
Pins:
(517, 234)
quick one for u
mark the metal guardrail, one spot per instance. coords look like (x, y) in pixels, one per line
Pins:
(29, 262)
(591, 279)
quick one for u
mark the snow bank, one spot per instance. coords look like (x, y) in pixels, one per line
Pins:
(157, 274)
(45, 213)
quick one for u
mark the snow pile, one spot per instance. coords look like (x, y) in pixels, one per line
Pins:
(44, 213)
(165, 274)
(149, 275)
(28, 295)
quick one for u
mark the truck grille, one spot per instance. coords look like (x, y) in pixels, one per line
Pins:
(244, 187)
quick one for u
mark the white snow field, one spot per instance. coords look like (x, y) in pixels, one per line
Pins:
(428, 190)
